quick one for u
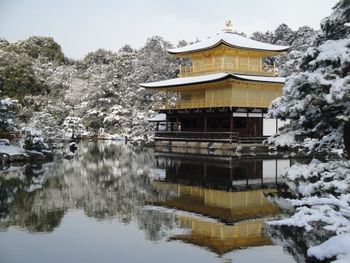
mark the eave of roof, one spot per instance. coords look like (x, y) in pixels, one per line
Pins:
(209, 78)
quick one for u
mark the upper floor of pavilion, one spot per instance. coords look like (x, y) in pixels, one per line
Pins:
(228, 51)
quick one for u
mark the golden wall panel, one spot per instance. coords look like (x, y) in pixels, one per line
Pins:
(227, 94)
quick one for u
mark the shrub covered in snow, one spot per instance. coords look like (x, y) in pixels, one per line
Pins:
(32, 140)
(73, 127)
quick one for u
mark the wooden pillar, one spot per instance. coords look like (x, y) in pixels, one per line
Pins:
(231, 122)
(177, 122)
(166, 122)
(347, 138)
(231, 170)
(157, 127)
(205, 122)
(247, 181)
(262, 124)
(167, 105)
(177, 171)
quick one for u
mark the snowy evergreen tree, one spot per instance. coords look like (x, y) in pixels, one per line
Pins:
(283, 35)
(38, 47)
(317, 100)
(17, 78)
(298, 41)
(154, 63)
(100, 56)
(266, 37)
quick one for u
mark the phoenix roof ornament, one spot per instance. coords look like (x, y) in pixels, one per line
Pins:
(228, 25)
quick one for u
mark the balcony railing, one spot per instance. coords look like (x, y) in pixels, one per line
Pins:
(231, 67)
(193, 104)
(231, 137)
(197, 136)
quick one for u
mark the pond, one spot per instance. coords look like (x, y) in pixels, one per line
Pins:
(116, 203)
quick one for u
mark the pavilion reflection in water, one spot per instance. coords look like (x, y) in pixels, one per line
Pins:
(222, 238)
(231, 191)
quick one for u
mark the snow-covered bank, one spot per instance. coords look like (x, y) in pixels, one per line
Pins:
(11, 150)
(31, 147)
(321, 201)
(11, 153)
(338, 246)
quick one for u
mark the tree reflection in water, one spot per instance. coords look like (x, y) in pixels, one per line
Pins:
(103, 179)
(110, 180)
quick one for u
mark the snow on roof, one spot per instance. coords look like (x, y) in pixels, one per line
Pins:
(209, 78)
(184, 81)
(260, 78)
(231, 39)
(158, 117)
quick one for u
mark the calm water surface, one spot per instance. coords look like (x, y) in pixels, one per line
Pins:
(114, 203)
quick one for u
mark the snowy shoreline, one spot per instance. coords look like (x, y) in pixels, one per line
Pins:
(320, 203)
(15, 154)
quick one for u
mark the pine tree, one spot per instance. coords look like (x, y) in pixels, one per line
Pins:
(317, 100)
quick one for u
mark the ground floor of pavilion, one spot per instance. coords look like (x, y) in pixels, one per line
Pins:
(223, 124)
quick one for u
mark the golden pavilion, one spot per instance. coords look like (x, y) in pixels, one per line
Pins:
(224, 93)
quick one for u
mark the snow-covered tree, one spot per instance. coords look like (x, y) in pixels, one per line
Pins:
(39, 47)
(317, 100)
(154, 63)
(283, 35)
(17, 78)
(298, 41)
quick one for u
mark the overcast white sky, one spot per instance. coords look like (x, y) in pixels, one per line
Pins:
(81, 26)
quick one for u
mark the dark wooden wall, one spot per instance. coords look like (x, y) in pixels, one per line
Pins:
(218, 122)
(253, 126)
